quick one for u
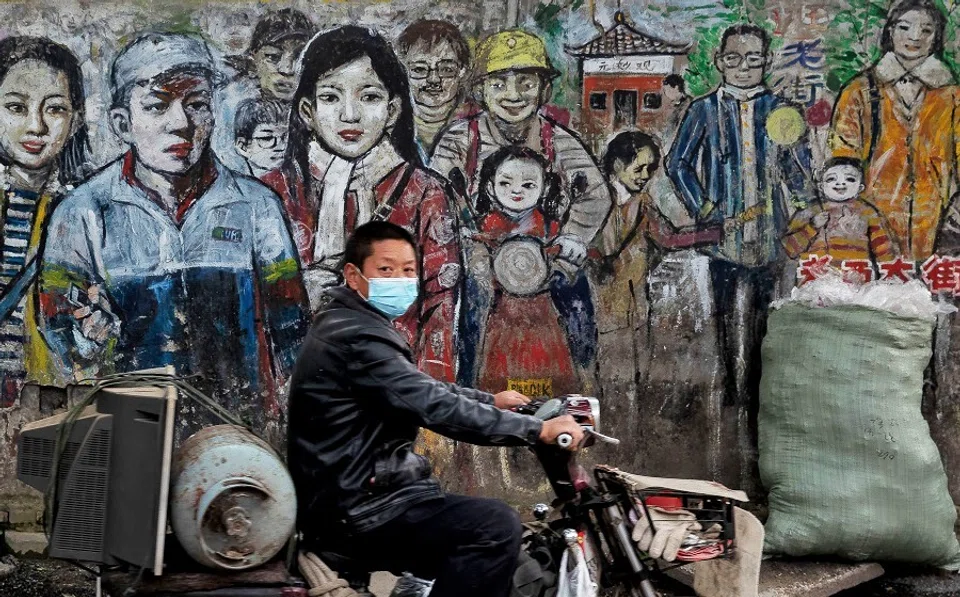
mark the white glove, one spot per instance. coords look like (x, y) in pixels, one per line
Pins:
(672, 526)
(572, 248)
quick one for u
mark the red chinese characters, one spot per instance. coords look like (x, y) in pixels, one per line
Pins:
(813, 267)
(857, 271)
(897, 270)
(942, 274)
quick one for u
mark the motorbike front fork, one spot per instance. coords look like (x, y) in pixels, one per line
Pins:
(638, 588)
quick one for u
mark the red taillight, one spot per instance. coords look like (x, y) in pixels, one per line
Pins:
(665, 502)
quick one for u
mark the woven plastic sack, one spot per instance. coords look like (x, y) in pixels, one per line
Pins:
(844, 450)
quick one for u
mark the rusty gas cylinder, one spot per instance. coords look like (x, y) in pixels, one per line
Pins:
(232, 503)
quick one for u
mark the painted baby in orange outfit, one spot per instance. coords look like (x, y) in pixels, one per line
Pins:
(842, 225)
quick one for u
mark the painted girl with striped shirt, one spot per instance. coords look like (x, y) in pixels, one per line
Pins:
(43, 151)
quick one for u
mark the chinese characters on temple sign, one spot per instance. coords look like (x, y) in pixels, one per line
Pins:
(941, 275)
(662, 65)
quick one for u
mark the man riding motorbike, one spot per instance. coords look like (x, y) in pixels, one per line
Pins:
(357, 402)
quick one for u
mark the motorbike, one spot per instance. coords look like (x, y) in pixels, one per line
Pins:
(580, 545)
(587, 544)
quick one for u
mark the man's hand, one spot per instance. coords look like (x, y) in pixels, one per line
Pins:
(555, 427)
(509, 399)
(97, 321)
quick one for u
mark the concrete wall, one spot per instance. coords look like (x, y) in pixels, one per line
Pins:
(651, 323)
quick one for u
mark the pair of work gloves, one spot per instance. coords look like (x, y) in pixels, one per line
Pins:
(671, 528)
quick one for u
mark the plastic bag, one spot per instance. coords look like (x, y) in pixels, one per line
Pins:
(575, 581)
(907, 299)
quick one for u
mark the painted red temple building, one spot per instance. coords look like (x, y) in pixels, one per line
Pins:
(623, 72)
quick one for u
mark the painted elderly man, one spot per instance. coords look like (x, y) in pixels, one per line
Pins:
(166, 257)
(437, 59)
(512, 76)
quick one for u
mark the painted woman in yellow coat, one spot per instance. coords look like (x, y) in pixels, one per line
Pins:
(901, 117)
(43, 150)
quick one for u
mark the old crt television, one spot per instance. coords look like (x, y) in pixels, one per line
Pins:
(113, 478)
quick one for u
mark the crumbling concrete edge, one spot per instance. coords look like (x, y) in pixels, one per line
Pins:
(857, 574)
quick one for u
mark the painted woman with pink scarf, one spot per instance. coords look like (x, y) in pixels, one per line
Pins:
(352, 158)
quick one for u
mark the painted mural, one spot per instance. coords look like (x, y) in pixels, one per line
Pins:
(607, 196)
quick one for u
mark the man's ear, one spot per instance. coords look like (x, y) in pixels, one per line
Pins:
(120, 121)
(352, 277)
(477, 91)
(243, 147)
(618, 166)
(305, 111)
(546, 92)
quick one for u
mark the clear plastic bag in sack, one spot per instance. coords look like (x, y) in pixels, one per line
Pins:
(575, 580)
(906, 299)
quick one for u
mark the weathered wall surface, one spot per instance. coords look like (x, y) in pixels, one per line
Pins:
(636, 267)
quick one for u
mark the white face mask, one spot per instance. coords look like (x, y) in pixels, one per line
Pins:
(392, 296)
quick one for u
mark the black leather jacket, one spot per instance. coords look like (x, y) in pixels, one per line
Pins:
(356, 405)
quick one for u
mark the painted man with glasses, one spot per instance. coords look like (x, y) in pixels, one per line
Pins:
(729, 172)
(437, 58)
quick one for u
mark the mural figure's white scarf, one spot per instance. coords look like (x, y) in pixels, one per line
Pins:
(745, 98)
(337, 177)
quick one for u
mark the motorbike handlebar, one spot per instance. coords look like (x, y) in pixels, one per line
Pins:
(565, 440)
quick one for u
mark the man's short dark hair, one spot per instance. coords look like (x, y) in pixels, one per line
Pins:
(431, 33)
(360, 244)
(254, 112)
(675, 80)
(746, 29)
(624, 149)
